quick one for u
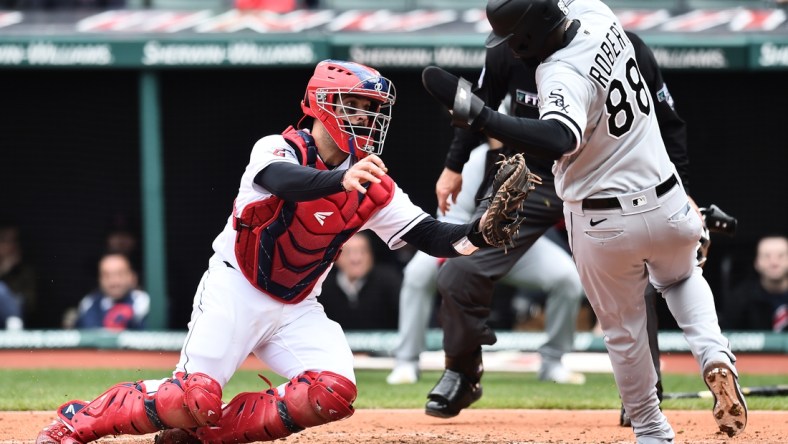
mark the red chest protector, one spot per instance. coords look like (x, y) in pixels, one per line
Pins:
(283, 247)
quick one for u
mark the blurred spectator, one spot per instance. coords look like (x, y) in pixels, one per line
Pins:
(117, 304)
(359, 294)
(15, 273)
(122, 238)
(10, 310)
(761, 302)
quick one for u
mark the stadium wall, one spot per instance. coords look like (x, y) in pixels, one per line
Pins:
(159, 127)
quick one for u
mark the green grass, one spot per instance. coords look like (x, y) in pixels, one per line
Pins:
(43, 389)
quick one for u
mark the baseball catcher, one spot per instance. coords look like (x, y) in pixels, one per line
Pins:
(304, 193)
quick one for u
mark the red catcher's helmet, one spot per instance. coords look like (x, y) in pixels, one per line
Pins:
(335, 79)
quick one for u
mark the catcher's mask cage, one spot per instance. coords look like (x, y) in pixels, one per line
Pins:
(335, 80)
(524, 24)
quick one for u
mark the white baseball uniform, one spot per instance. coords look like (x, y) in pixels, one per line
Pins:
(645, 230)
(231, 319)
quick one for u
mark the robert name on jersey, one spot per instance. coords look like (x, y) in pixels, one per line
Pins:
(615, 41)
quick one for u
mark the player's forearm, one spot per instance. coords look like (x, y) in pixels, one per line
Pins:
(438, 239)
(547, 139)
(296, 183)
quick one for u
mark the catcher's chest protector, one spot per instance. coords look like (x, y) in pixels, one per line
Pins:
(283, 247)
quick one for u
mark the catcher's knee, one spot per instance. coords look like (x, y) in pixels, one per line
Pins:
(315, 398)
(189, 400)
(186, 401)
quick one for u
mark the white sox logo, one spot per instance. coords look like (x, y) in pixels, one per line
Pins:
(557, 99)
(321, 216)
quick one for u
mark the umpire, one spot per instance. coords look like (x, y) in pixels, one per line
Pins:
(466, 283)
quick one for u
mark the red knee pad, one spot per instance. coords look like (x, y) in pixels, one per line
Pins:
(314, 398)
(189, 400)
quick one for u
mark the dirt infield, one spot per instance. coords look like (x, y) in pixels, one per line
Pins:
(414, 427)
(472, 426)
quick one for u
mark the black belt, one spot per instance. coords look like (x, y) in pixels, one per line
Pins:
(608, 203)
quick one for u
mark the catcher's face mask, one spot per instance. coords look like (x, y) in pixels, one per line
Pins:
(354, 104)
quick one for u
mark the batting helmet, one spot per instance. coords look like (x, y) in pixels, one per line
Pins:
(524, 24)
(334, 80)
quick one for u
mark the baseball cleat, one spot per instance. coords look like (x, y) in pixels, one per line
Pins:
(453, 392)
(56, 433)
(561, 375)
(404, 373)
(175, 436)
(623, 419)
(730, 409)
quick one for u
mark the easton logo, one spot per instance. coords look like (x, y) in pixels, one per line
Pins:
(322, 215)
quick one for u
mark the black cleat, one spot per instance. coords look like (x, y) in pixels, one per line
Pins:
(624, 420)
(453, 392)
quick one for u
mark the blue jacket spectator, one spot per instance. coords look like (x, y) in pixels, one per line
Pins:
(117, 304)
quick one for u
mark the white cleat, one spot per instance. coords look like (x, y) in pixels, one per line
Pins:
(730, 409)
(404, 373)
(561, 375)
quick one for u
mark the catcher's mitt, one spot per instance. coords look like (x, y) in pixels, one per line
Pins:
(511, 185)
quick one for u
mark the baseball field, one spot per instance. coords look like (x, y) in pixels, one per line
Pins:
(515, 409)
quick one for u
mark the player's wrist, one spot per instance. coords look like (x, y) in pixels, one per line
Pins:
(475, 235)
(471, 241)
(342, 182)
(481, 119)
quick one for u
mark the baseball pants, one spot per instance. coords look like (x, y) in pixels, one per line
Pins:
(617, 256)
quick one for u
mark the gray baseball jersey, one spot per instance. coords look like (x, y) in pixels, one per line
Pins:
(594, 86)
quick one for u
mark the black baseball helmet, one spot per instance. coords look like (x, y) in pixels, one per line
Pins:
(524, 24)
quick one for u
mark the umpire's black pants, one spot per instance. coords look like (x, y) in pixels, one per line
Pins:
(466, 283)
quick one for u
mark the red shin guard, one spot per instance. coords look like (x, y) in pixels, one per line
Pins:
(310, 399)
(186, 401)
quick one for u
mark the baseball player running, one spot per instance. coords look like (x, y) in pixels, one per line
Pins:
(629, 219)
(302, 195)
(466, 283)
(545, 266)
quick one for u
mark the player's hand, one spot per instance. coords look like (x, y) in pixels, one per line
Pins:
(449, 185)
(368, 169)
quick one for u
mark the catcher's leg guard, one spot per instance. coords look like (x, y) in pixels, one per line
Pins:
(186, 401)
(459, 386)
(310, 399)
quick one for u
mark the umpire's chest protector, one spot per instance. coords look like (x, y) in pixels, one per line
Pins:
(284, 247)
